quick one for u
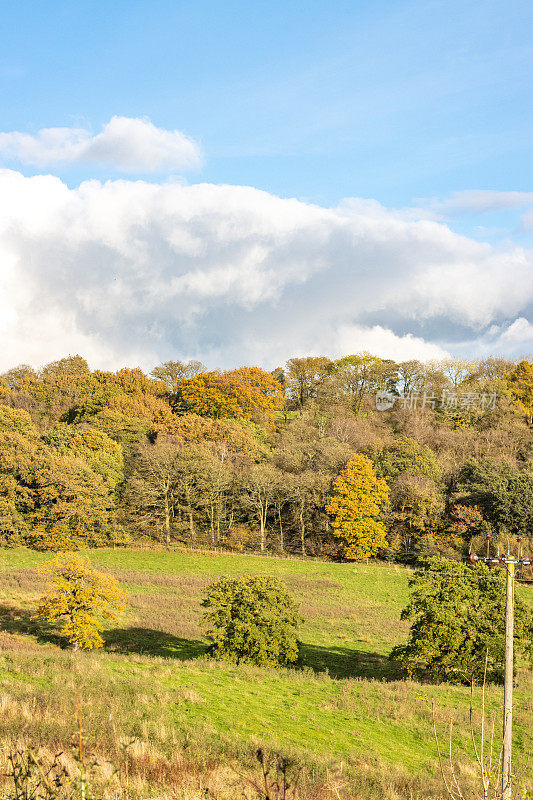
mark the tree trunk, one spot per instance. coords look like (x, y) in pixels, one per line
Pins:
(212, 524)
(302, 529)
(167, 516)
(189, 512)
(262, 515)
(280, 530)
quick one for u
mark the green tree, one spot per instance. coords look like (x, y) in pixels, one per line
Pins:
(251, 620)
(78, 598)
(503, 493)
(407, 455)
(355, 506)
(458, 617)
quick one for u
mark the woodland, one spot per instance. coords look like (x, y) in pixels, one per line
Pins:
(298, 460)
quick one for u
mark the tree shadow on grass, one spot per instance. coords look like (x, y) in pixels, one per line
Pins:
(119, 640)
(149, 642)
(340, 662)
(343, 662)
(19, 620)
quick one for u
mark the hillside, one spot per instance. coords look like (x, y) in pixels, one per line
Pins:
(342, 712)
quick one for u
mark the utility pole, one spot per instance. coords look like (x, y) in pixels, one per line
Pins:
(508, 682)
(509, 563)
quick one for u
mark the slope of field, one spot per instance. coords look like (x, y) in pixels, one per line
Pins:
(191, 724)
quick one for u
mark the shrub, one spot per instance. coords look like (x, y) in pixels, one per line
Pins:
(251, 620)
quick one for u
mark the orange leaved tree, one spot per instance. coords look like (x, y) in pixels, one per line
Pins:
(78, 598)
(354, 509)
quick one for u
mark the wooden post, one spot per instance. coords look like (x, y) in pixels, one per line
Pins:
(508, 684)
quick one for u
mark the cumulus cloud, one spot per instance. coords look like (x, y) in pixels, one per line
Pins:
(124, 143)
(384, 343)
(518, 334)
(134, 272)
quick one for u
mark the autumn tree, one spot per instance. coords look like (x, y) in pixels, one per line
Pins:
(206, 395)
(520, 380)
(55, 391)
(150, 489)
(262, 481)
(171, 373)
(73, 505)
(248, 392)
(134, 381)
(127, 431)
(57, 500)
(417, 505)
(96, 448)
(240, 435)
(14, 376)
(78, 598)
(258, 392)
(13, 420)
(361, 374)
(144, 406)
(304, 376)
(355, 506)
(463, 524)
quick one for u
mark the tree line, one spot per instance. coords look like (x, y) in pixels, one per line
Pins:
(298, 459)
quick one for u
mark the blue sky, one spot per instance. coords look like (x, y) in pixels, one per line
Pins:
(403, 103)
(320, 100)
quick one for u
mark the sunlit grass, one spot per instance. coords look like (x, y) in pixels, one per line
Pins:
(343, 702)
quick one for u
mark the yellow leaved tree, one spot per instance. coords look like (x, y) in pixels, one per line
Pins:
(78, 598)
(520, 380)
(354, 509)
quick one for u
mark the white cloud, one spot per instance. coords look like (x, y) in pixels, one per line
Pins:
(468, 202)
(125, 144)
(384, 343)
(518, 334)
(134, 272)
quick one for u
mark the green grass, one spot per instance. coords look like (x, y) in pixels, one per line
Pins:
(343, 701)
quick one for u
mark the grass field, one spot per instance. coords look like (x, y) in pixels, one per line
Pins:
(192, 724)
